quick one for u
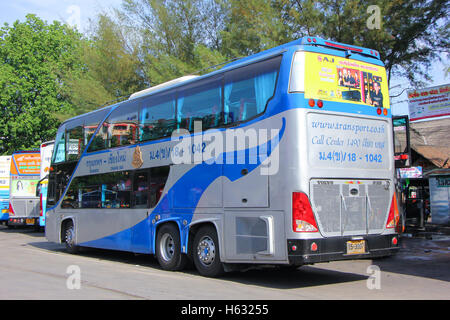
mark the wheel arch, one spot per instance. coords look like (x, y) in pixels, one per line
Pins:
(193, 229)
(64, 223)
(158, 226)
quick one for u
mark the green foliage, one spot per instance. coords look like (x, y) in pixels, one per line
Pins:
(177, 37)
(34, 58)
(252, 26)
(111, 68)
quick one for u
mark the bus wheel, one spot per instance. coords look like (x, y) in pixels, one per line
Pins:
(69, 238)
(168, 248)
(206, 253)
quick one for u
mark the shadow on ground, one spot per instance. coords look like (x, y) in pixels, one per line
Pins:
(271, 277)
(421, 255)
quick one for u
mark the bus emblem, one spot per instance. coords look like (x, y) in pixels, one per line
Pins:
(137, 158)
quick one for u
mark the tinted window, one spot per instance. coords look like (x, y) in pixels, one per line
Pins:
(123, 125)
(201, 102)
(101, 138)
(74, 143)
(158, 179)
(59, 151)
(141, 189)
(157, 117)
(111, 190)
(124, 189)
(90, 125)
(59, 176)
(120, 128)
(247, 90)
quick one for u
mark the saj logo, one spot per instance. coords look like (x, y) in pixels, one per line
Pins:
(325, 59)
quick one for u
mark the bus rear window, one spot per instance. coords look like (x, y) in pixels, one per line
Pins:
(328, 77)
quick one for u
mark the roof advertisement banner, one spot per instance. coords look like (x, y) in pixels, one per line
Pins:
(429, 102)
(345, 80)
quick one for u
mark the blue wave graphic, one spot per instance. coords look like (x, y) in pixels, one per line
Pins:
(186, 192)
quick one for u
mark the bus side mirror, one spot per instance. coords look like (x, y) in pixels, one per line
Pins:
(38, 190)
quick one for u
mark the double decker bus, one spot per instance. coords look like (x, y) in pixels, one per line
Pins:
(23, 201)
(284, 157)
(5, 164)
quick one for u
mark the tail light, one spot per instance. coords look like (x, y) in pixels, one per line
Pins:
(394, 216)
(302, 215)
(40, 205)
(11, 210)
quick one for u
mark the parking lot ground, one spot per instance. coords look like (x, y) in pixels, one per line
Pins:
(32, 268)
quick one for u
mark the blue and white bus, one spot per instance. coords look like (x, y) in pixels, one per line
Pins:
(5, 164)
(46, 157)
(284, 157)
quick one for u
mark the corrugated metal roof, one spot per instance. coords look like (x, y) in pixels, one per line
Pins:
(431, 139)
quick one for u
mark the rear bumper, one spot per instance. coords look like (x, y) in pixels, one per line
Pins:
(23, 221)
(335, 248)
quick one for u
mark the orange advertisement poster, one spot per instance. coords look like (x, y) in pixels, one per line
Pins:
(26, 164)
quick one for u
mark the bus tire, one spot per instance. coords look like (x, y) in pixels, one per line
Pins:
(69, 238)
(168, 248)
(206, 254)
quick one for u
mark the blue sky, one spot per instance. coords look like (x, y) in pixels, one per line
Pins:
(68, 11)
(78, 12)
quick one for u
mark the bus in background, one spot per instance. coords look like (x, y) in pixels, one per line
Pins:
(284, 157)
(46, 157)
(25, 175)
(5, 164)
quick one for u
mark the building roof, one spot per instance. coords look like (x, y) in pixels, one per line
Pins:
(431, 139)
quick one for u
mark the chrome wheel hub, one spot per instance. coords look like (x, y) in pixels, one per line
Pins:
(167, 247)
(206, 251)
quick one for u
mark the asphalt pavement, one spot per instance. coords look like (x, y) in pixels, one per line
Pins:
(32, 268)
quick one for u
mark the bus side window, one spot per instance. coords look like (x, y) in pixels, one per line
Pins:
(123, 125)
(248, 89)
(141, 189)
(70, 200)
(200, 102)
(157, 117)
(158, 179)
(58, 178)
(100, 139)
(90, 126)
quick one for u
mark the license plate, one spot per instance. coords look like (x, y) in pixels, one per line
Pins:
(29, 221)
(356, 247)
